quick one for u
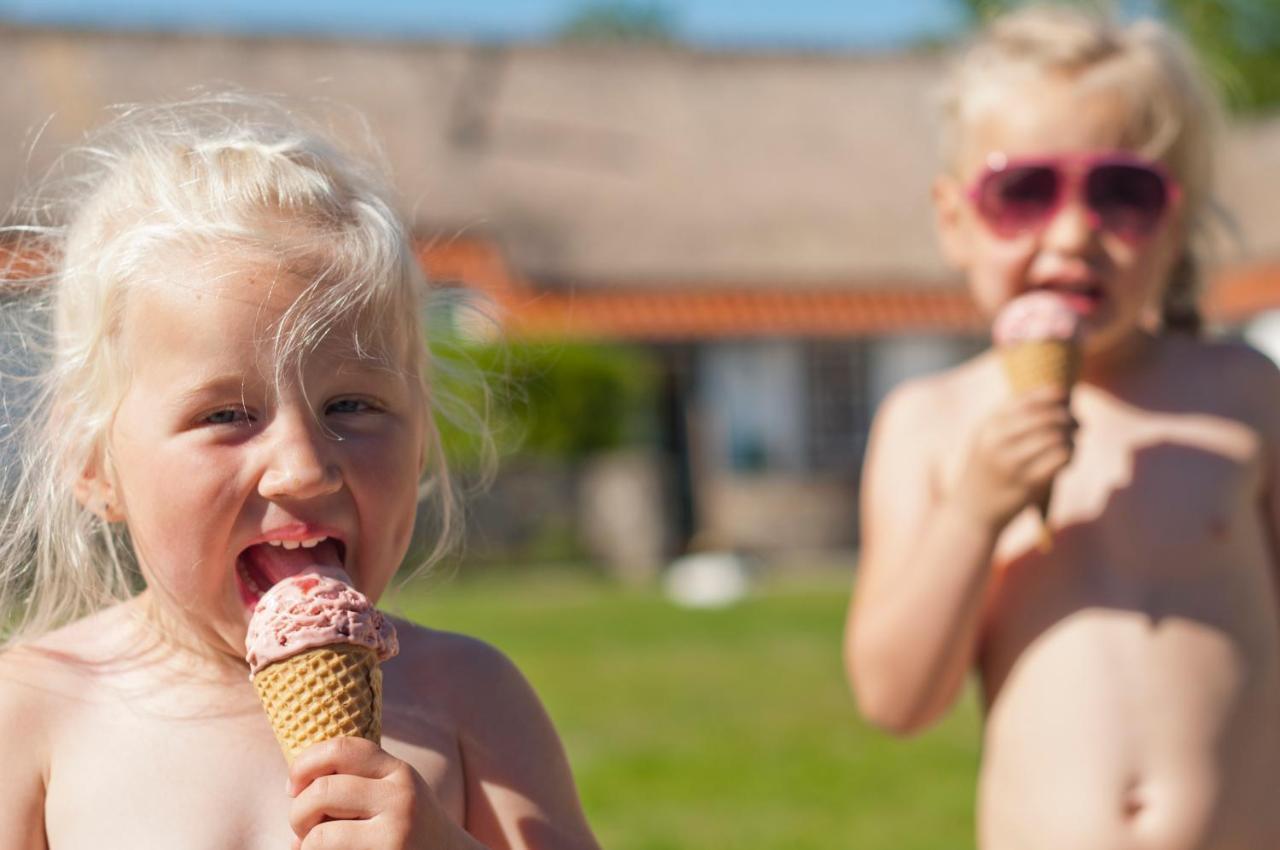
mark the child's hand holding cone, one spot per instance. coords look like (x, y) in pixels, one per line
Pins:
(1037, 335)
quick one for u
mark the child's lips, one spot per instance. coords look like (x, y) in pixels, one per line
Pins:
(1083, 301)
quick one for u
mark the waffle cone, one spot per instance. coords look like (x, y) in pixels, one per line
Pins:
(328, 692)
(1041, 363)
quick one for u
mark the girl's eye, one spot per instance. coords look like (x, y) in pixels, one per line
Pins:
(349, 405)
(227, 416)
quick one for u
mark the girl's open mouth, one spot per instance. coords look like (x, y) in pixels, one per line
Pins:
(1083, 301)
(264, 564)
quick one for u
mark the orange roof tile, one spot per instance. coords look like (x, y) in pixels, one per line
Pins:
(700, 314)
(701, 311)
(1237, 294)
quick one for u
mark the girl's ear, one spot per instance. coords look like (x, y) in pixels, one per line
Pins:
(951, 221)
(97, 494)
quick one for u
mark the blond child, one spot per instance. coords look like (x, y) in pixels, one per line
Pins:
(1129, 673)
(233, 358)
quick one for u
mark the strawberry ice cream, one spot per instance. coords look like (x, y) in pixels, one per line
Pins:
(1034, 317)
(311, 610)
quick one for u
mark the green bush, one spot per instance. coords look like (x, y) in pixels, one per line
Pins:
(562, 401)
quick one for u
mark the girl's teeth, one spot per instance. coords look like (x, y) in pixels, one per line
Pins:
(309, 543)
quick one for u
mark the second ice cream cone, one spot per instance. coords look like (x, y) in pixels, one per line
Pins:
(1040, 363)
(1036, 335)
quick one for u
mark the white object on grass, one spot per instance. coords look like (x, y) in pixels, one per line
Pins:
(706, 580)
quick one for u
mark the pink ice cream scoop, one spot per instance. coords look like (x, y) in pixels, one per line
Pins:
(1035, 317)
(312, 610)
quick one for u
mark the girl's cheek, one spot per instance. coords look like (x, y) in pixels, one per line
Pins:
(996, 282)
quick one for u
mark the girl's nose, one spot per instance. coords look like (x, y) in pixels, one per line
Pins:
(299, 464)
(1072, 228)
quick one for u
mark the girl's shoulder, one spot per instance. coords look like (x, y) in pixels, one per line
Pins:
(454, 671)
(25, 748)
(71, 651)
(979, 373)
(1222, 367)
(963, 392)
(424, 645)
(1214, 353)
(44, 681)
(64, 667)
(1220, 377)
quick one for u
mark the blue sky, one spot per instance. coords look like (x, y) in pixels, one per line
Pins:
(818, 23)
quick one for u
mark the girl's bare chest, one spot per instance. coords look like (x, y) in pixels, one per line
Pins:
(1162, 479)
(216, 782)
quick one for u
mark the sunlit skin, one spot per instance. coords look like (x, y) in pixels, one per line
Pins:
(1130, 674)
(150, 734)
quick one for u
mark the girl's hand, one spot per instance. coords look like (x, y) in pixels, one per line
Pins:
(350, 794)
(1014, 456)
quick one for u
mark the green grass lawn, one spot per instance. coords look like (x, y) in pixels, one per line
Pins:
(715, 729)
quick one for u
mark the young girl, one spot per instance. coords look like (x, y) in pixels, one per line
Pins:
(235, 362)
(1130, 673)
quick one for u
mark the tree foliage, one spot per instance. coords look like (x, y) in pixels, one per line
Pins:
(621, 21)
(1238, 40)
(556, 400)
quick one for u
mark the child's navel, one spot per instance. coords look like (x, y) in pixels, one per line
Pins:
(1133, 801)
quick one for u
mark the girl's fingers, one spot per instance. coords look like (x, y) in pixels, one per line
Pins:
(1046, 467)
(1035, 449)
(1055, 455)
(1042, 460)
(1018, 425)
(332, 797)
(352, 756)
(1019, 439)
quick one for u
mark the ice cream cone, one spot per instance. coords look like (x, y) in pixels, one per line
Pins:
(314, 646)
(327, 692)
(1037, 335)
(1040, 363)
(1032, 364)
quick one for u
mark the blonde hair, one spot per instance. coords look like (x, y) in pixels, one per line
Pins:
(1174, 114)
(222, 180)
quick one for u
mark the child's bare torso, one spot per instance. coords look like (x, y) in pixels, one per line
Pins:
(1131, 673)
(138, 761)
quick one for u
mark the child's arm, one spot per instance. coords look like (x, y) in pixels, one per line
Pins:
(915, 622)
(520, 792)
(22, 790)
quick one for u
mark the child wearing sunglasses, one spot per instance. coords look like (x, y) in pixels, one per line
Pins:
(1129, 672)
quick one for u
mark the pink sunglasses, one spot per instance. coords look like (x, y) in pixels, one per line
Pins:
(1123, 194)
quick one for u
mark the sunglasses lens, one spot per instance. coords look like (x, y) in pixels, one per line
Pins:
(1018, 198)
(1128, 198)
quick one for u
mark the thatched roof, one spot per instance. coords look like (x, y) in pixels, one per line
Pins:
(595, 165)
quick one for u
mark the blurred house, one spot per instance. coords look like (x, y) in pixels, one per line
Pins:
(761, 222)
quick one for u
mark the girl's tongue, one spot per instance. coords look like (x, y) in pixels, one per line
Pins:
(262, 565)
